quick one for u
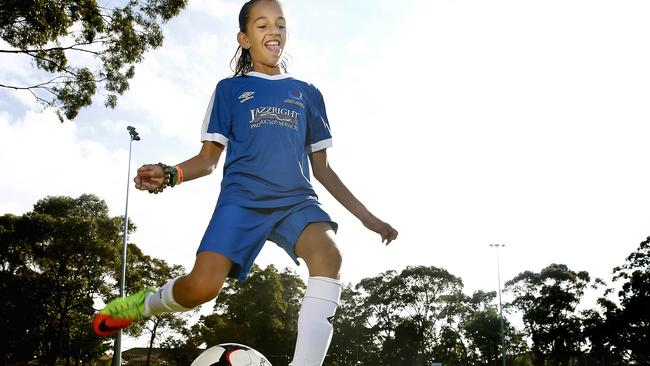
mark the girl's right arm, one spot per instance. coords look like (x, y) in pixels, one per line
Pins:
(151, 176)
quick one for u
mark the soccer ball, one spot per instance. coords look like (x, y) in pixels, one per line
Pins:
(230, 354)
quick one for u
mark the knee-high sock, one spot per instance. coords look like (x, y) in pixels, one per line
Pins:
(162, 301)
(315, 321)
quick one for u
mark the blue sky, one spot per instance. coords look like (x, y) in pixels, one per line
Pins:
(462, 123)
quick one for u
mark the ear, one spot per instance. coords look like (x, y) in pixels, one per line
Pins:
(243, 41)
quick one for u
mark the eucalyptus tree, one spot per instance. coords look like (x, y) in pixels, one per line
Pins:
(54, 262)
(82, 46)
(548, 302)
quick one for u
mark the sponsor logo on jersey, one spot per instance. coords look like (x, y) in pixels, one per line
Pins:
(295, 98)
(274, 116)
(294, 102)
(246, 96)
(295, 94)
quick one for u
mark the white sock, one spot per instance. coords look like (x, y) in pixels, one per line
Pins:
(315, 321)
(162, 301)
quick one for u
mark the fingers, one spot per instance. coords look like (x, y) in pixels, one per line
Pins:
(148, 171)
(388, 234)
(148, 177)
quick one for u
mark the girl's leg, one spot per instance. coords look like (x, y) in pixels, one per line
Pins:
(317, 248)
(201, 285)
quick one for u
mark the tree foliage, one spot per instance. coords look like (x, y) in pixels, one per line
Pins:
(260, 312)
(57, 259)
(353, 342)
(54, 32)
(144, 271)
(621, 331)
(416, 317)
(634, 314)
(548, 302)
(54, 261)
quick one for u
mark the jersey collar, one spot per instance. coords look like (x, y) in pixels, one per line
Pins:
(268, 77)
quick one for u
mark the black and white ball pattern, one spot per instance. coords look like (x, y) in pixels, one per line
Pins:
(230, 354)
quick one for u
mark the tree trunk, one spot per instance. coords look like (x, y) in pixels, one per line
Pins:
(153, 336)
(69, 344)
(80, 349)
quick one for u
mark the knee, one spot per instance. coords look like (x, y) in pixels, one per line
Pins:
(335, 259)
(199, 289)
(326, 262)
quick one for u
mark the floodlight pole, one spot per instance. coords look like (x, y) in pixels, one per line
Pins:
(117, 351)
(503, 341)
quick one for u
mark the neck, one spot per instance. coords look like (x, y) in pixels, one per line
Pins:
(264, 69)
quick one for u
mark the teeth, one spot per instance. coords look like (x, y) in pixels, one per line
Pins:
(273, 43)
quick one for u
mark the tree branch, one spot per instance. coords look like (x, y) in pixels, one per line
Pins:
(41, 85)
(46, 102)
(65, 69)
(72, 47)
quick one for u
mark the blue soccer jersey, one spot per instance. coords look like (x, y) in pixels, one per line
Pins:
(268, 124)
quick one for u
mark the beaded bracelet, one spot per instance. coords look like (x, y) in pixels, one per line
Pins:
(171, 178)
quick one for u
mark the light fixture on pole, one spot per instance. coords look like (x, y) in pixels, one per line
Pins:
(117, 352)
(503, 341)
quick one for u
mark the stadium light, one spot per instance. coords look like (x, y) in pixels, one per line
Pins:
(503, 341)
(117, 350)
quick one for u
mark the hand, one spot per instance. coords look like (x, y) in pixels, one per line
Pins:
(149, 176)
(386, 231)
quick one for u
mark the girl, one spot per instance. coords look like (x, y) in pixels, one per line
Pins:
(271, 124)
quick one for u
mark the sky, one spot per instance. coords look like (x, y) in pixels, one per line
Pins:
(460, 122)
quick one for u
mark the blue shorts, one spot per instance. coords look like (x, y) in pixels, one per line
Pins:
(239, 233)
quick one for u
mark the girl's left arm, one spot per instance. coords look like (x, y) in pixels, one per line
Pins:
(331, 181)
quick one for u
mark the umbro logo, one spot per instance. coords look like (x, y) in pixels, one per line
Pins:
(246, 96)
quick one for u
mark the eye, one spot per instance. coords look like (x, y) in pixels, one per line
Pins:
(261, 26)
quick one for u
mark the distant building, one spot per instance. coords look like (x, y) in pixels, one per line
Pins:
(138, 357)
(103, 360)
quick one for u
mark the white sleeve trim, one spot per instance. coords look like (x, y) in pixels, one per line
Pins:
(208, 136)
(216, 137)
(320, 145)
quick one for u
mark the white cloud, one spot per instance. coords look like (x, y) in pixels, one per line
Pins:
(45, 157)
(219, 10)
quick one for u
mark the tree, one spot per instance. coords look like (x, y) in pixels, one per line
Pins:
(55, 260)
(623, 331)
(378, 298)
(602, 335)
(50, 32)
(261, 312)
(548, 301)
(634, 317)
(482, 330)
(481, 327)
(144, 271)
(353, 341)
(416, 315)
(432, 298)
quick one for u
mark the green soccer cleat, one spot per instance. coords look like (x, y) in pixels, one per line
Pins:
(120, 313)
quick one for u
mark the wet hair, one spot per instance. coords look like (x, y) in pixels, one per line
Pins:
(242, 62)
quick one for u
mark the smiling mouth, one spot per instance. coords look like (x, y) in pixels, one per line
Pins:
(273, 45)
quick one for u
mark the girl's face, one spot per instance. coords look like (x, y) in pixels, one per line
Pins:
(265, 37)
